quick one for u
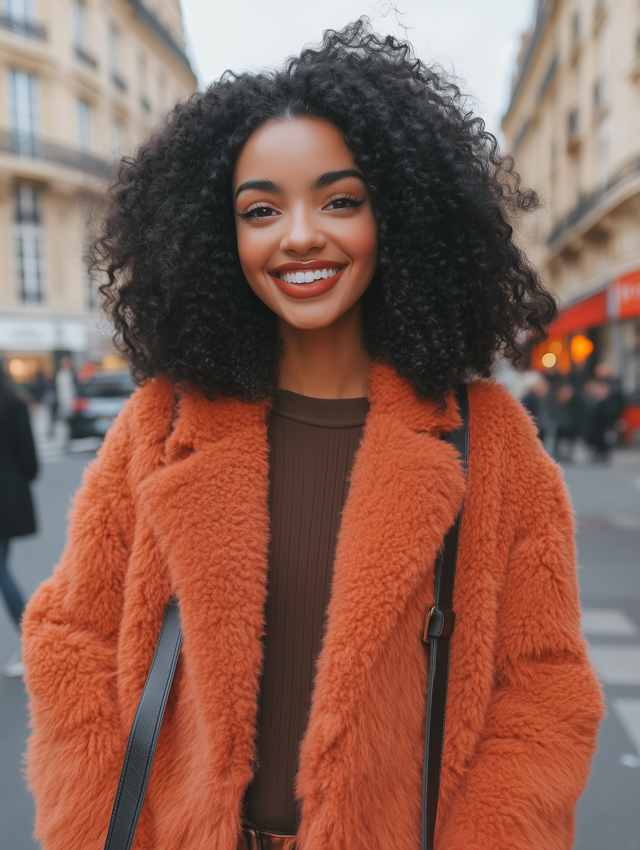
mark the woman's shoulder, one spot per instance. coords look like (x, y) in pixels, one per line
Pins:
(498, 411)
(140, 430)
(504, 440)
(500, 422)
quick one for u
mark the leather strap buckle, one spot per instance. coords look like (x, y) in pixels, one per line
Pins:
(440, 623)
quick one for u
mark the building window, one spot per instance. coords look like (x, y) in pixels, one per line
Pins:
(83, 125)
(162, 95)
(637, 93)
(117, 137)
(142, 82)
(575, 27)
(20, 11)
(603, 151)
(23, 112)
(79, 32)
(18, 18)
(601, 91)
(79, 24)
(92, 296)
(114, 58)
(28, 242)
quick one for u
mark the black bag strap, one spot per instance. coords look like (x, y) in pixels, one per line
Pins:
(437, 633)
(144, 733)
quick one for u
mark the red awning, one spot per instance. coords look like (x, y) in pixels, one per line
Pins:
(586, 314)
(625, 293)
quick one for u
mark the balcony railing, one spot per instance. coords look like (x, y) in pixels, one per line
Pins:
(573, 129)
(587, 203)
(161, 31)
(23, 27)
(85, 57)
(118, 82)
(30, 147)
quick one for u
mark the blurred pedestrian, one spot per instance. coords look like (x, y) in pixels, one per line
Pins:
(18, 466)
(604, 403)
(539, 403)
(65, 392)
(567, 409)
(38, 386)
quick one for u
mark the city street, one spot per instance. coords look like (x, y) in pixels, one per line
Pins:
(607, 504)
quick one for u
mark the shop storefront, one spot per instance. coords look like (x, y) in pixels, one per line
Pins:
(34, 346)
(602, 328)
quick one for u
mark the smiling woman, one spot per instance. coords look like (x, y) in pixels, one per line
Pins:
(307, 244)
(310, 270)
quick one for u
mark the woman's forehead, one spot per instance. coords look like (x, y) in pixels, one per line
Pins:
(293, 149)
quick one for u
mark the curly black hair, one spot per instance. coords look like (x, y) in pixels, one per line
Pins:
(451, 287)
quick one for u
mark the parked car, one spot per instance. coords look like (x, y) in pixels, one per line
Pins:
(99, 400)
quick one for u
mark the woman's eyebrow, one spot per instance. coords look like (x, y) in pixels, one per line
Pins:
(330, 177)
(261, 186)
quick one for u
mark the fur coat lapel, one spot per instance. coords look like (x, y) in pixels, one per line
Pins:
(208, 510)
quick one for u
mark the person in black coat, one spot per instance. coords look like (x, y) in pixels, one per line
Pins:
(18, 466)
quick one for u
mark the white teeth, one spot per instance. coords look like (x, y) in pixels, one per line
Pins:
(307, 277)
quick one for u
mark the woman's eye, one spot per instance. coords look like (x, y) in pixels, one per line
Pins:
(343, 203)
(259, 212)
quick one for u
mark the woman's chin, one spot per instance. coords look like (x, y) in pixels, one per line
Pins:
(310, 317)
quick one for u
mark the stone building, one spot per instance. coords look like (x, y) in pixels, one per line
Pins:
(573, 126)
(82, 81)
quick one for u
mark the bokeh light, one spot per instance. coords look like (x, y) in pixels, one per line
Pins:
(548, 360)
(581, 348)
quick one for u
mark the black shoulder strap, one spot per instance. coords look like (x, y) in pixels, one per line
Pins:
(437, 634)
(144, 734)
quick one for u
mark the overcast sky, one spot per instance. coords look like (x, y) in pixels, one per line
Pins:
(477, 39)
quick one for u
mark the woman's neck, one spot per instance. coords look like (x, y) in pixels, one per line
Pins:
(325, 362)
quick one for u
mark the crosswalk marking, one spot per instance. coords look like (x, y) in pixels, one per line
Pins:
(617, 665)
(628, 713)
(608, 621)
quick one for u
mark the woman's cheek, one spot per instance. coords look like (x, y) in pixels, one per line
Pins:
(251, 250)
(364, 243)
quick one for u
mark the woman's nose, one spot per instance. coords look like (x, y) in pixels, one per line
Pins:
(303, 233)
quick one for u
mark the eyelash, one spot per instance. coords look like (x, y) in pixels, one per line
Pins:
(345, 196)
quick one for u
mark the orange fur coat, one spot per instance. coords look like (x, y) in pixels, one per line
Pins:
(185, 511)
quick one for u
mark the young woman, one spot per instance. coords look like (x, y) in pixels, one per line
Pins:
(301, 265)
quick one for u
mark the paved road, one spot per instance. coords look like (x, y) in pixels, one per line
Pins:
(607, 502)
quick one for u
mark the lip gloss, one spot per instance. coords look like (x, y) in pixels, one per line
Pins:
(308, 290)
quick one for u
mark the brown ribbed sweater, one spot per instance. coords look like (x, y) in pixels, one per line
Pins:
(312, 447)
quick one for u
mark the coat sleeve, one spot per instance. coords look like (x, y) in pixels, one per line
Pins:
(532, 760)
(70, 631)
(25, 450)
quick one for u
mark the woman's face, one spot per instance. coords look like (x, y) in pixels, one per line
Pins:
(306, 231)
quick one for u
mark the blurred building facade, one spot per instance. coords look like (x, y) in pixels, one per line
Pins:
(83, 81)
(573, 127)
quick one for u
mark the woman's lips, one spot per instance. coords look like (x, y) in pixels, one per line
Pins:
(327, 279)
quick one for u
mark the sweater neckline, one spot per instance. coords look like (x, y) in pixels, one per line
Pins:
(321, 412)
